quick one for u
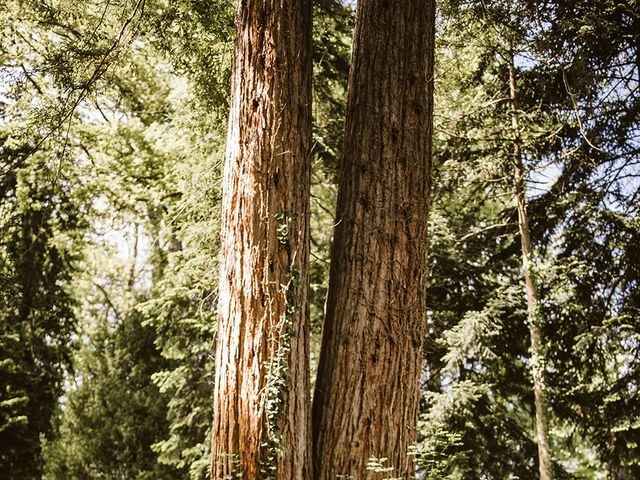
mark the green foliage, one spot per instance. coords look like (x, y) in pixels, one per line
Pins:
(114, 157)
(438, 452)
(378, 465)
(111, 145)
(182, 312)
(580, 211)
(332, 28)
(114, 412)
(40, 229)
(197, 37)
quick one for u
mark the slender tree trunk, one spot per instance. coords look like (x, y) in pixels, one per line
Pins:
(614, 462)
(636, 41)
(134, 258)
(366, 396)
(614, 469)
(261, 424)
(537, 356)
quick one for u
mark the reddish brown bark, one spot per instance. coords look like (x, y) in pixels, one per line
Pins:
(261, 395)
(366, 395)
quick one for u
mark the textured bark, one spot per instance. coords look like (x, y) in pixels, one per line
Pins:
(537, 356)
(261, 394)
(366, 396)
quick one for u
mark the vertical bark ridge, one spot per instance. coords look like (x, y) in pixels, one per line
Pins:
(261, 392)
(366, 396)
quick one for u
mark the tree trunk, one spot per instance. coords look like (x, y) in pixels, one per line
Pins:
(366, 397)
(533, 318)
(614, 460)
(614, 469)
(261, 394)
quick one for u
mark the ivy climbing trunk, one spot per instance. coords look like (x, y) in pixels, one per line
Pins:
(533, 317)
(366, 397)
(261, 393)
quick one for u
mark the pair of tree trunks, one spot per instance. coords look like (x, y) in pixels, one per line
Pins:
(533, 314)
(366, 398)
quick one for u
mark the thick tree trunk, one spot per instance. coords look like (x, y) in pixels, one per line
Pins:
(537, 356)
(261, 398)
(366, 396)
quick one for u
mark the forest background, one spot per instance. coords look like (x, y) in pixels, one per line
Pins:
(111, 146)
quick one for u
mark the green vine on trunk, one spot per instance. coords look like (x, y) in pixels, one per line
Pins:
(277, 373)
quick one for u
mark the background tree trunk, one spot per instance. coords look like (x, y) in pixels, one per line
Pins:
(614, 460)
(261, 398)
(366, 395)
(537, 355)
